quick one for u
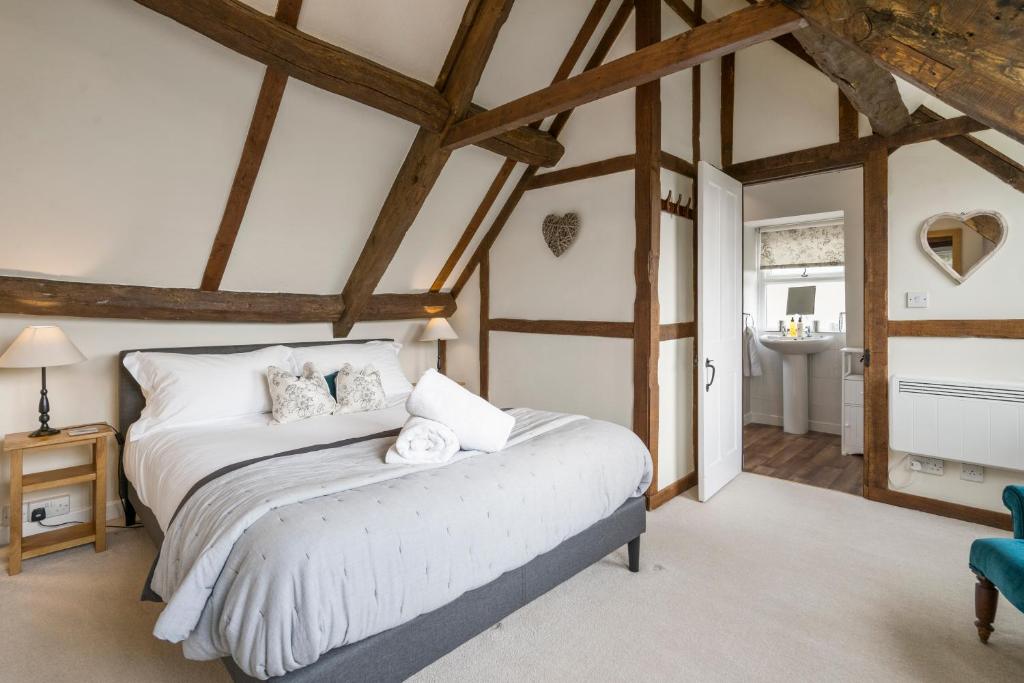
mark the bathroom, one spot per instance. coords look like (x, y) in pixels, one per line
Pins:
(802, 307)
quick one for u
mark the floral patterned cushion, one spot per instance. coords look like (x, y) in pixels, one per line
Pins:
(298, 398)
(359, 390)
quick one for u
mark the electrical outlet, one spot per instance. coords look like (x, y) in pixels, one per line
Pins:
(971, 472)
(917, 299)
(55, 507)
(919, 463)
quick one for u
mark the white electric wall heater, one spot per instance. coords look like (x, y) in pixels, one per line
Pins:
(973, 422)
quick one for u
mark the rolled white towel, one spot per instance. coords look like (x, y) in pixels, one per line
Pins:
(479, 425)
(421, 442)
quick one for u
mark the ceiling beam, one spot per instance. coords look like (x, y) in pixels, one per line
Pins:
(425, 160)
(733, 32)
(258, 36)
(969, 54)
(583, 36)
(870, 88)
(843, 155)
(604, 45)
(36, 296)
(267, 103)
(974, 150)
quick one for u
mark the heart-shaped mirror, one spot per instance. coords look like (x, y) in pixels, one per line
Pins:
(960, 243)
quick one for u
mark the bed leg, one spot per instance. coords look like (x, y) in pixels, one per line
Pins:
(634, 554)
(129, 512)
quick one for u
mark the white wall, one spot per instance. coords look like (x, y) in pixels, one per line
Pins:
(926, 179)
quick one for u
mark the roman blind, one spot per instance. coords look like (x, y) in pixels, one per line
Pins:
(820, 245)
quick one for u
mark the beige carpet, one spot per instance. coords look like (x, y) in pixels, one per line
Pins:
(770, 581)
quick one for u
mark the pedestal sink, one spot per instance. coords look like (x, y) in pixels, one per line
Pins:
(794, 350)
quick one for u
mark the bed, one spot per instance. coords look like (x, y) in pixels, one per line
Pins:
(488, 576)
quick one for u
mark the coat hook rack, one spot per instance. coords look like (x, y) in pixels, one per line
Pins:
(677, 208)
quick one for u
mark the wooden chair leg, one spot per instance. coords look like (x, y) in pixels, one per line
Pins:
(986, 599)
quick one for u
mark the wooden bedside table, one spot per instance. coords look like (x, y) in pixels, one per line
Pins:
(20, 444)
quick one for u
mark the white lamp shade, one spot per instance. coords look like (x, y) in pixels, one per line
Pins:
(438, 329)
(41, 346)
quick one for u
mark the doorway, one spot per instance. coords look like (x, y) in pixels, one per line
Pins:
(803, 277)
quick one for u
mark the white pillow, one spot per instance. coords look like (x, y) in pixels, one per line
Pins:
(382, 355)
(185, 388)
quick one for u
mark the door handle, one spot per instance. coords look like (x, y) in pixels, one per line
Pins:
(709, 364)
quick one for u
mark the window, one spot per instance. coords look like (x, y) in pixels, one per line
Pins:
(802, 256)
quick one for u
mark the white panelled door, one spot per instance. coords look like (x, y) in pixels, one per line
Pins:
(719, 329)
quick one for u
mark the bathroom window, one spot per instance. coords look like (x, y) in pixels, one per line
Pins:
(802, 256)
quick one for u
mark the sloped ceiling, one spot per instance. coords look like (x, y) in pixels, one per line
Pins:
(128, 128)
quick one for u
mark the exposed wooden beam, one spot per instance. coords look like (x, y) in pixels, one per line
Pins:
(698, 10)
(424, 162)
(408, 306)
(582, 172)
(870, 88)
(36, 296)
(670, 162)
(267, 103)
(604, 44)
(843, 155)
(258, 36)
(976, 151)
(968, 54)
(849, 123)
(647, 250)
(746, 27)
(789, 43)
(991, 329)
(689, 16)
(577, 328)
(728, 96)
(833, 157)
(670, 331)
(485, 325)
(876, 318)
(474, 224)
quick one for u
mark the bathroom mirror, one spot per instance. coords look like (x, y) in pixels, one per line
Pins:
(800, 300)
(961, 243)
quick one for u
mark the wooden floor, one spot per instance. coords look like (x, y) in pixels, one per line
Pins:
(813, 458)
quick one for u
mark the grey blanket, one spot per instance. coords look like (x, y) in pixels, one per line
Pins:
(280, 561)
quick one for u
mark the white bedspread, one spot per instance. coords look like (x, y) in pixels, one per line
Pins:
(164, 466)
(280, 561)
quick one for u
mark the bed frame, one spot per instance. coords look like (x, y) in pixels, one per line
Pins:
(398, 653)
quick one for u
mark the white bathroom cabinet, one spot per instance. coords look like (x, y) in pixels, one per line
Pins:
(853, 403)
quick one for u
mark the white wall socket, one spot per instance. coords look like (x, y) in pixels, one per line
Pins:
(920, 463)
(917, 299)
(972, 472)
(55, 507)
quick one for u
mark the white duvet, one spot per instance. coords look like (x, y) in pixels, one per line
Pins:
(279, 561)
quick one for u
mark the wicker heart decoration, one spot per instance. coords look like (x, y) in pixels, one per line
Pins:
(560, 232)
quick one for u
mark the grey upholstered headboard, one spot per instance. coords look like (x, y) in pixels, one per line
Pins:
(130, 401)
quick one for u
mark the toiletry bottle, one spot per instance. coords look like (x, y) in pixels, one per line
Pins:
(792, 328)
(801, 331)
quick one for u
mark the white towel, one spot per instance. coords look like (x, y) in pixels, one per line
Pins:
(423, 441)
(751, 360)
(478, 425)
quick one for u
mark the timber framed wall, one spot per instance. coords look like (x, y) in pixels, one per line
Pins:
(872, 155)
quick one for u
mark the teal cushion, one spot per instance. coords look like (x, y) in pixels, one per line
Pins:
(1001, 561)
(1013, 499)
(332, 383)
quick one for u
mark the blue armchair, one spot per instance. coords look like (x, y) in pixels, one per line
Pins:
(999, 565)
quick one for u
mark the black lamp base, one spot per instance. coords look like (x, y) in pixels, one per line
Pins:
(44, 413)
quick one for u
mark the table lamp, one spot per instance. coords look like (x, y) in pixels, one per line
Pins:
(440, 331)
(41, 346)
